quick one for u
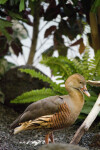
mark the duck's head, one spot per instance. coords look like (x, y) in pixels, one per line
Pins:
(77, 81)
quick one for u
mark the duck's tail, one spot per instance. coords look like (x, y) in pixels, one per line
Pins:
(18, 129)
(39, 123)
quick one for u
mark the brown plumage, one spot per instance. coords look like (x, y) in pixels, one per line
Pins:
(55, 112)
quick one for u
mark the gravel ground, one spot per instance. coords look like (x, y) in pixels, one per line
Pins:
(32, 140)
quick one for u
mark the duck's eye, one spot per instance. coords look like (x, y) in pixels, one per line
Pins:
(80, 82)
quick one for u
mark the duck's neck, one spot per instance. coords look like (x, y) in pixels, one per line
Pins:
(77, 97)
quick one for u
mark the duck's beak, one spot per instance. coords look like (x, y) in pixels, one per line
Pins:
(85, 91)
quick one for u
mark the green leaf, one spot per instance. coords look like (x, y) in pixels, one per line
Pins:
(3, 1)
(62, 65)
(16, 16)
(95, 5)
(3, 66)
(3, 25)
(35, 74)
(34, 96)
(22, 5)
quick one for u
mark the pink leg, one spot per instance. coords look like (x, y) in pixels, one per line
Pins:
(47, 139)
(51, 136)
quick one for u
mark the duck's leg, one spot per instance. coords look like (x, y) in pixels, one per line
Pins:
(51, 136)
(47, 139)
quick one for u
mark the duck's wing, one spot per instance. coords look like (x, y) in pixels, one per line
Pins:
(54, 121)
(40, 108)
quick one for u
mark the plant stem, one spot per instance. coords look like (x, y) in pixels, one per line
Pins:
(93, 83)
(35, 32)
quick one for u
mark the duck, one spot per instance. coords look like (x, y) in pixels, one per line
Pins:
(54, 112)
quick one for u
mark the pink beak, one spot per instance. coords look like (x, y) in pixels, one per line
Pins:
(85, 91)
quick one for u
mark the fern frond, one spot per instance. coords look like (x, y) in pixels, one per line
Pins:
(34, 96)
(38, 75)
(56, 87)
(60, 66)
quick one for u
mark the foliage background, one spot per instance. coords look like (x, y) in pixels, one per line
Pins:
(64, 67)
(66, 28)
(68, 20)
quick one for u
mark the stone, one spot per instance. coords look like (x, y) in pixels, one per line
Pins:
(59, 146)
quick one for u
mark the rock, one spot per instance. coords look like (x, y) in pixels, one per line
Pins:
(95, 140)
(14, 83)
(59, 146)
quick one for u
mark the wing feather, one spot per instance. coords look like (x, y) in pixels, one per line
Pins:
(55, 121)
(40, 108)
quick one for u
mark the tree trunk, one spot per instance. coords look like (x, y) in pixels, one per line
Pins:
(35, 32)
(99, 16)
(94, 31)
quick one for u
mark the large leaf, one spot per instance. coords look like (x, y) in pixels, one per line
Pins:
(77, 42)
(49, 31)
(69, 10)
(59, 44)
(58, 39)
(22, 5)
(52, 11)
(70, 27)
(82, 47)
(16, 46)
